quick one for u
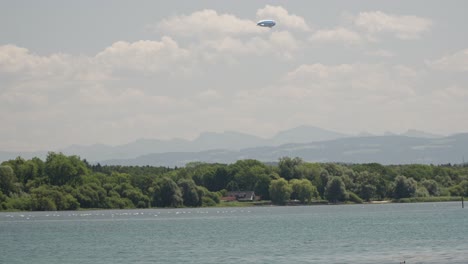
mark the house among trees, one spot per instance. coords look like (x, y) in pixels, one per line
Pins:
(241, 196)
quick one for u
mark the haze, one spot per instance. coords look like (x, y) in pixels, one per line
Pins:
(112, 72)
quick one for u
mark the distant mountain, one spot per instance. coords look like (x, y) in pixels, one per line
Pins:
(393, 149)
(418, 133)
(226, 140)
(365, 134)
(205, 141)
(233, 145)
(304, 134)
(131, 150)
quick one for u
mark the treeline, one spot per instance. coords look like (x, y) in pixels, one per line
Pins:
(68, 183)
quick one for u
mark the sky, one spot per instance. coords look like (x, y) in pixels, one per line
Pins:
(111, 72)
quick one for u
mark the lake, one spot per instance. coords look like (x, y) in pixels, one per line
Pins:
(370, 233)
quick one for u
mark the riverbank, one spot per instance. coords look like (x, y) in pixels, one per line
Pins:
(325, 202)
(290, 203)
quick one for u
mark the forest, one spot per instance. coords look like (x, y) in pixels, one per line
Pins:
(70, 183)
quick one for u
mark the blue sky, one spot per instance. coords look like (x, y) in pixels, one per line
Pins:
(114, 71)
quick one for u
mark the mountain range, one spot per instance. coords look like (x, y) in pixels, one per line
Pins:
(309, 143)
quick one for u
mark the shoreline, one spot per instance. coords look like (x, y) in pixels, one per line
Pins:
(234, 204)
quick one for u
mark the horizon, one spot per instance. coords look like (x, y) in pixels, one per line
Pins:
(345, 135)
(98, 73)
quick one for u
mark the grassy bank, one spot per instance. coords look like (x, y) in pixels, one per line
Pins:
(428, 199)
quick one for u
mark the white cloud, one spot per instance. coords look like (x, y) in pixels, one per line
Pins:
(142, 56)
(208, 95)
(382, 53)
(207, 22)
(457, 62)
(340, 34)
(367, 97)
(358, 81)
(282, 44)
(404, 27)
(283, 18)
(15, 59)
(57, 66)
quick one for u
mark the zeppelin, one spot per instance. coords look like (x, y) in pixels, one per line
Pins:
(266, 23)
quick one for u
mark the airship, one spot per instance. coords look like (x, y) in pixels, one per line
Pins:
(266, 23)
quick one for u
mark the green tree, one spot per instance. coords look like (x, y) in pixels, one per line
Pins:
(417, 171)
(404, 187)
(460, 189)
(280, 191)
(27, 171)
(166, 193)
(303, 190)
(246, 173)
(51, 198)
(90, 195)
(262, 186)
(367, 191)
(431, 186)
(322, 182)
(135, 195)
(3, 199)
(290, 168)
(367, 184)
(190, 193)
(421, 191)
(208, 198)
(7, 180)
(62, 169)
(232, 186)
(336, 190)
(218, 180)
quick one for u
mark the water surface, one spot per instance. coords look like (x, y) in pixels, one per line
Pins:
(371, 233)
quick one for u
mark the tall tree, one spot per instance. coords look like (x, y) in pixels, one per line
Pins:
(190, 193)
(167, 193)
(303, 190)
(404, 187)
(431, 186)
(62, 169)
(7, 180)
(290, 168)
(280, 191)
(336, 190)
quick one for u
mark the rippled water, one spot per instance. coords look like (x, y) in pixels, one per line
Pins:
(375, 233)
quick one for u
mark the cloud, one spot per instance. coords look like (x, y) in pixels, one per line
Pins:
(53, 67)
(358, 80)
(283, 18)
(15, 59)
(281, 44)
(142, 56)
(456, 62)
(365, 27)
(366, 95)
(340, 34)
(382, 53)
(284, 44)
(404, 27)
(207, 22)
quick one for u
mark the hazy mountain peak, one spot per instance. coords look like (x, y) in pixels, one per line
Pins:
(419, 133)
(304, 134)
(365, 134)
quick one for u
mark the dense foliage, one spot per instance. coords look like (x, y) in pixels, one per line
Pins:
(68, 183)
